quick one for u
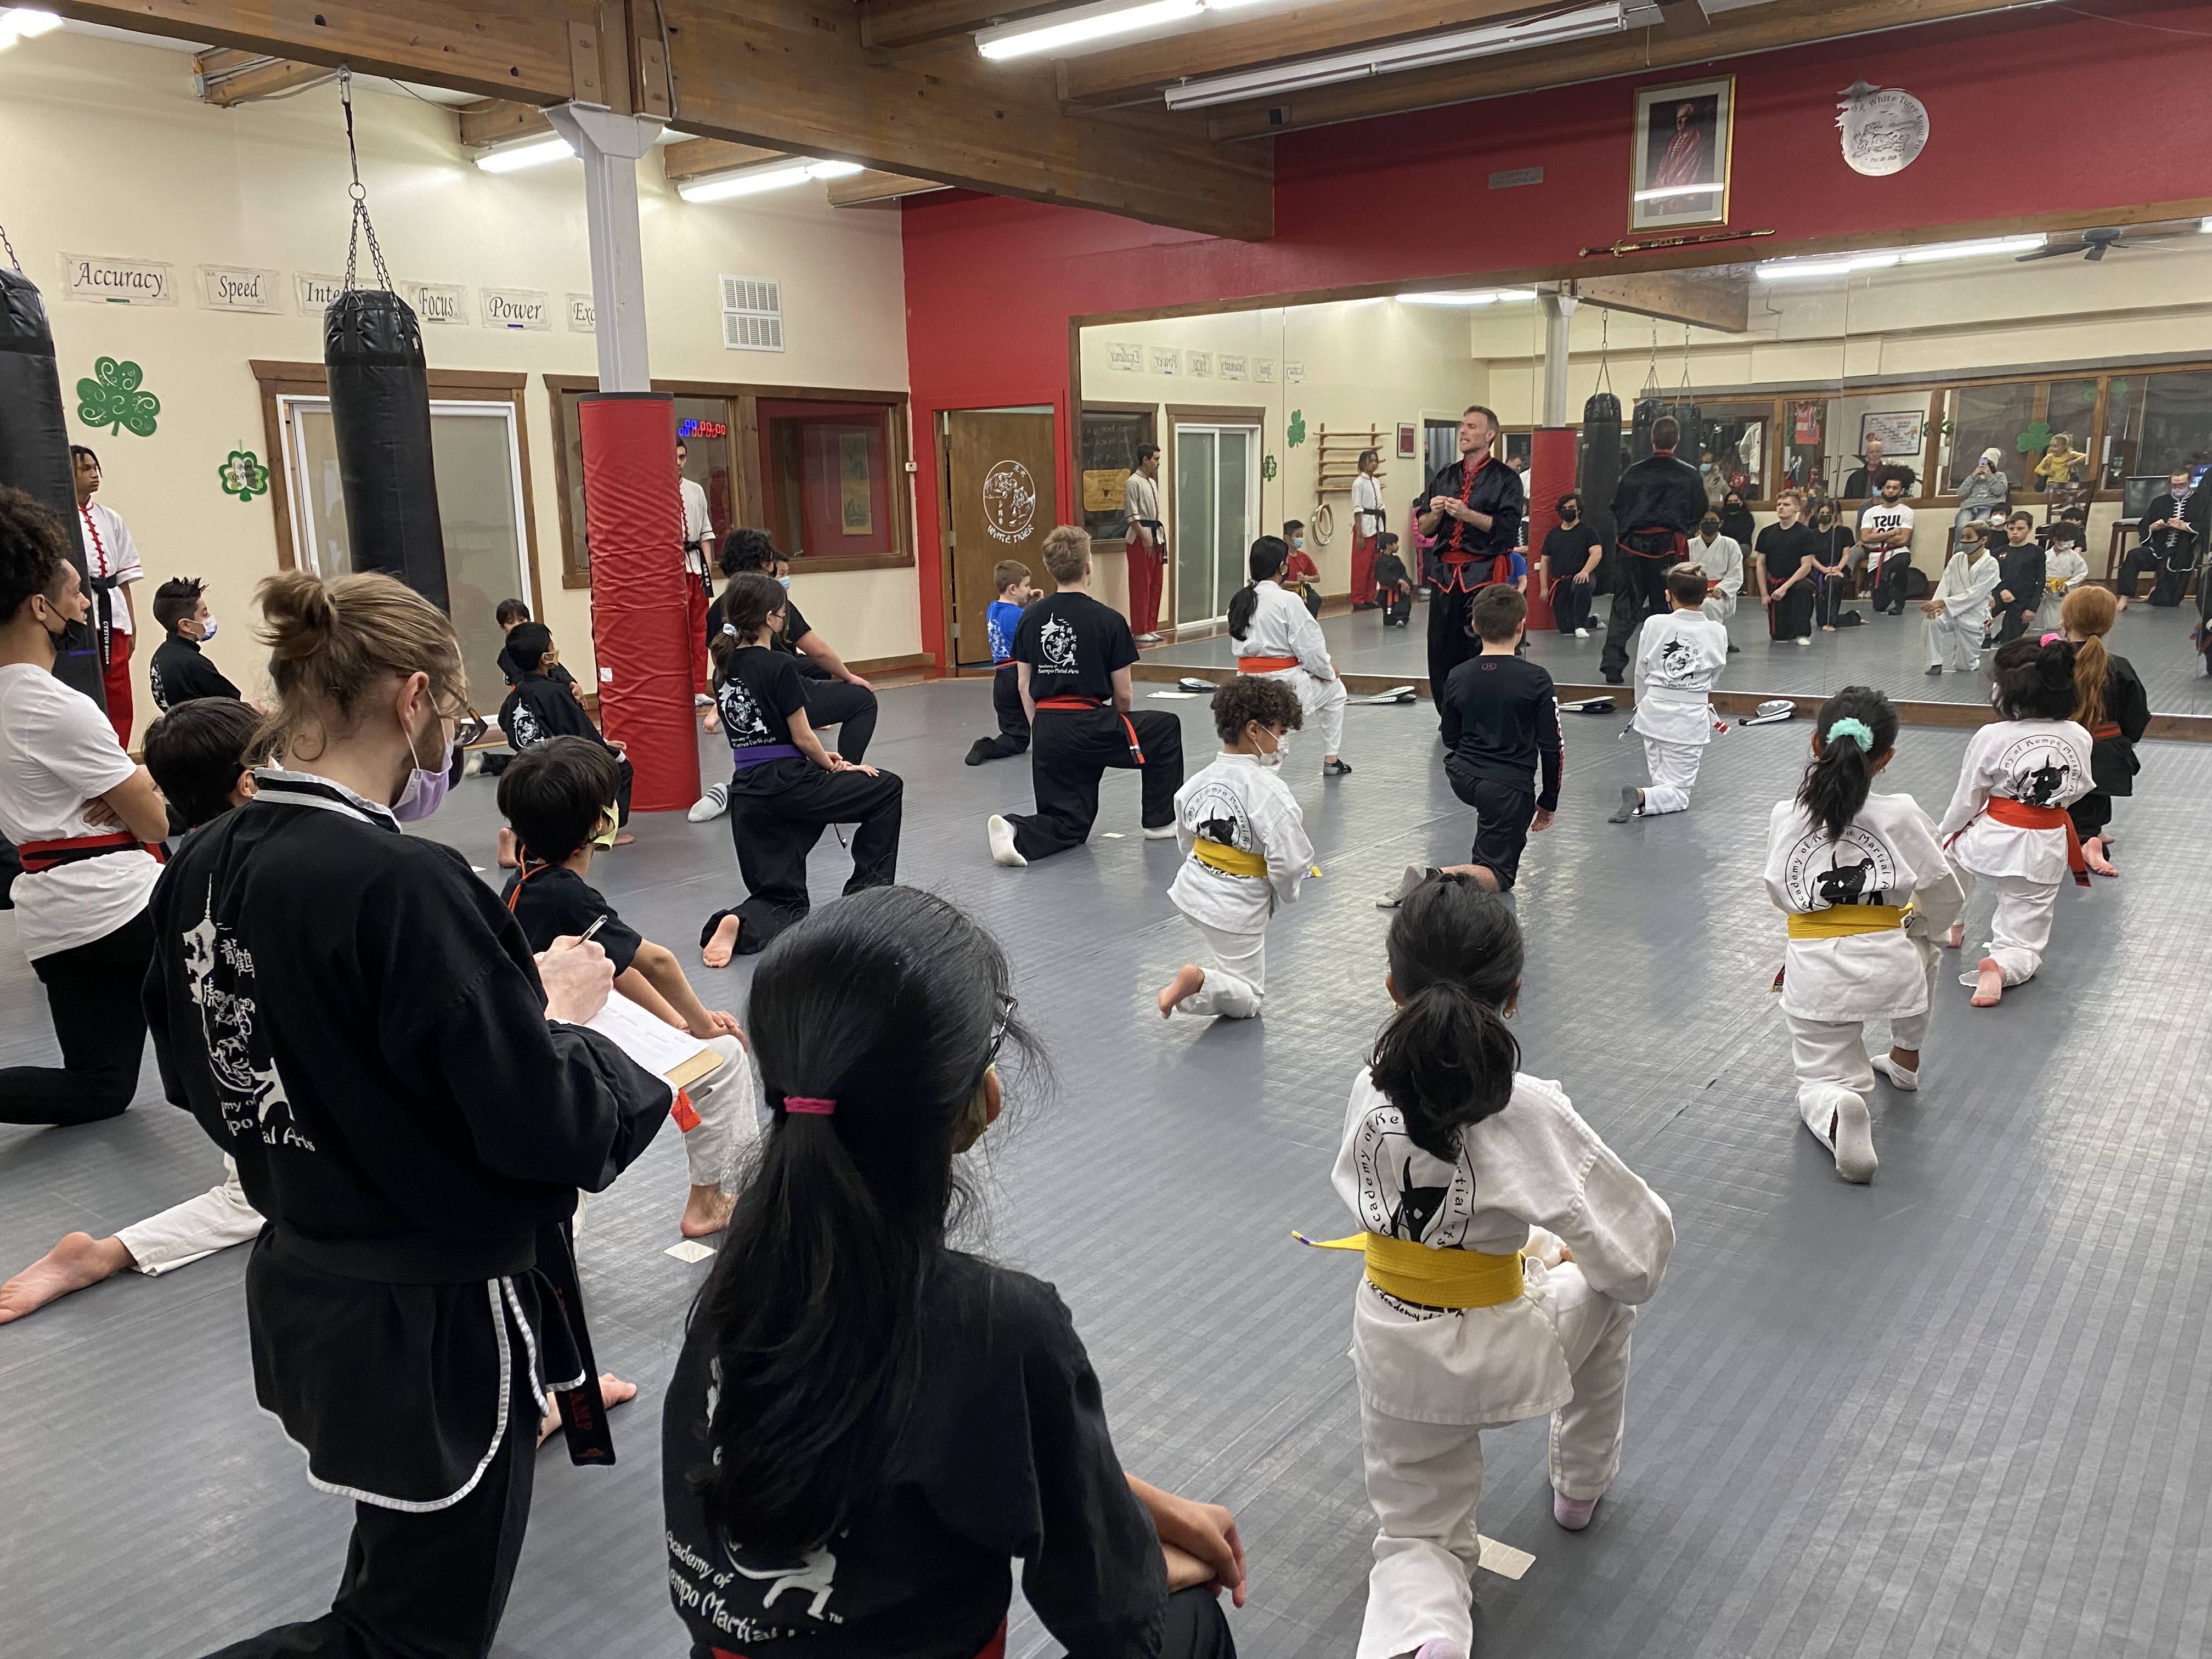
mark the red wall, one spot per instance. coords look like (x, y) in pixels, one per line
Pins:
(2030, 112)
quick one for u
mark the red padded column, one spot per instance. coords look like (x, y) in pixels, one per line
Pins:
(633, 516)
(1551, 458)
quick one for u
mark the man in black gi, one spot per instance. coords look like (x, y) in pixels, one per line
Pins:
(1073, 655)
(2173, 536)
(1659, 501)
(1474, 508)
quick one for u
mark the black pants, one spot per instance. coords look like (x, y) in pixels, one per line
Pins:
(429, 1586)
(2091, 813)
(1790, 616)
(1013, 737)
(2012, 622)
(1195, 1628)
(1397, 606)
(1889, 586)
(851, 708)
(2166, 586)
(1639, 590)
(774, 832)
(623, 789)
(1070, 750)
(1449, 643)
(1311, 597)
(93, 996)
(1829, 593)
(1503, 813)
(1571, 605)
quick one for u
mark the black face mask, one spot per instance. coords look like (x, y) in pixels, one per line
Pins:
(1569, 514)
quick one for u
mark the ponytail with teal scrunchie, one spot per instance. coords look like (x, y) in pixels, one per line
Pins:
(1856, 730)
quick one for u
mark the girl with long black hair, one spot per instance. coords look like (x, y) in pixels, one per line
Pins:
(1506, 1247)
(866, 1424)
(1868, 892)
(1276, 636)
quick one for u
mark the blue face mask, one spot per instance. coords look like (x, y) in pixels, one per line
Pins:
(207, 629)
(784, 582)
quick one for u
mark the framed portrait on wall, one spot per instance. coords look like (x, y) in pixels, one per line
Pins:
(1406, 442)
(1684, 149)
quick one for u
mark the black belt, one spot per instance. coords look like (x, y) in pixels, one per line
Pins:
(414, 1258)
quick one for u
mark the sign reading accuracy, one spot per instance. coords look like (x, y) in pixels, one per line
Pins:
(517, 308)
(118, 281)
(241, 288)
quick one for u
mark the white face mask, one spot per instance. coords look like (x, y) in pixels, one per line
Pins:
(1275, 756)
(207, 629)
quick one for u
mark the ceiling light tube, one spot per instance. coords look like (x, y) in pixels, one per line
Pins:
(1079, 25)
(761, 177)
(1487, 296)
(1994, 246)
(1428, 51)
(536, 153)
(21, 23)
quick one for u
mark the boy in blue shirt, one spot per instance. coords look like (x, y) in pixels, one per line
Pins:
(1000, 619)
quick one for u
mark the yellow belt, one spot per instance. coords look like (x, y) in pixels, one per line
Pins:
(1841, 921)
(1435, 1278)
(1230, 861)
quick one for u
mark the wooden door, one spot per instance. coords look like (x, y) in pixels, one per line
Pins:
(1001, 473)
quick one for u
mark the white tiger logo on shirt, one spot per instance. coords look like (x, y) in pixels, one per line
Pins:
(1057, 641)
(742, 719)
(528, 730)
(1856, 869)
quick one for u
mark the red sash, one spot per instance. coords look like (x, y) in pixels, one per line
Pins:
(2020, 816)
(1074, 701)
(42, 855)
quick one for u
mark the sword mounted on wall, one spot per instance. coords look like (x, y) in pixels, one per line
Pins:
(1621, 249)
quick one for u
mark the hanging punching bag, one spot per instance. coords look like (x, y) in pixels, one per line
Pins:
(380, 423)
(1597, 474)
(34, 455)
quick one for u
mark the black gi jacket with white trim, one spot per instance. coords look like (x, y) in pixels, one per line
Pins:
(357, 1020)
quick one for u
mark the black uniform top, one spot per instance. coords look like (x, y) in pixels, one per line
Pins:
(1493, 488)
(2020, 573)
(511, 672)
(1659, 492)
(1008, 1455)
(548, 901)
(1784, 550)
(1738, 523)
(756, 700)
(2193, 512)
(2113, 763)
(795, 628)
(179, 672)
(1073, 645)
(539, 708)
(1501, 720)
(1389, 569)
(1567, 547)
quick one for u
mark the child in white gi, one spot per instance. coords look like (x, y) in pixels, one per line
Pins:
(1275, 635)
(1957, 611)
(1868, 891)
(2007, 824)
(1507, 1247)
(1244, 850)
(1720, 560)
(2064, 569)
(1679, 657)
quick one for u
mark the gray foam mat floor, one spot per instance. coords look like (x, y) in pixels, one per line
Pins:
(1958, 1411)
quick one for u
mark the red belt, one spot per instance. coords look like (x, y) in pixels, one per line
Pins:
(1265, 665)
(2107, 730)
(1073, 704)
(2020, 816)
(41, 855)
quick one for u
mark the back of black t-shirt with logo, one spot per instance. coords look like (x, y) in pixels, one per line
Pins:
(1073, 645)
(758, 698)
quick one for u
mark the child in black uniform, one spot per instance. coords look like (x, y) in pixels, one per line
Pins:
(1000, 619)
(178, 673)
(540, 707)
(1073, 655)
(1394, 584)
(785, 788)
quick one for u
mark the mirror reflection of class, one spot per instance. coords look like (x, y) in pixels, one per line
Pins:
(2051, 396)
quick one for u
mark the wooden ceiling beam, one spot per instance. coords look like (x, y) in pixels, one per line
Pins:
(1686, 37)
(695, 158)
(877, 189)
(225, 77)
(1717, 297)
(496, 121)
(1132, 73)
(896, 25)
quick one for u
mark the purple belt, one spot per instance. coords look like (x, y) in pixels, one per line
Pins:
(758, 753)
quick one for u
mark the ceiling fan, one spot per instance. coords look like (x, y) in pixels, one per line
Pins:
(2096, 244)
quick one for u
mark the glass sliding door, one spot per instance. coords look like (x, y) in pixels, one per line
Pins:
(1217, 514)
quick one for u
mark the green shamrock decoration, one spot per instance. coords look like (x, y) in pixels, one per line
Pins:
(2035, 439)
(243, 476)
(1298, 432)
(112, 399)
(1267, 467)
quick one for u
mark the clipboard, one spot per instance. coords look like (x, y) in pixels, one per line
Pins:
(662, 1049)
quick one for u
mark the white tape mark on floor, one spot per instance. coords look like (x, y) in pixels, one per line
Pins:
(692, 1250)
(1502, 1558)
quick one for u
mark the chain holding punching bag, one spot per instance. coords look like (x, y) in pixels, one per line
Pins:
(381, 413)
(34, 453)
(1597, 474)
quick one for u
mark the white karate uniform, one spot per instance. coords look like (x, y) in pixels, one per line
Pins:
(1678, 658)
(2064, 569)
(1282, 627)
(1888, 854)
(218, 1218)
(2044, 764)
(1532, 1176)
(697, 526)
(1368, 518)
(1955, 638)
(1238, 803)
(728, 1126)
(1722, 560)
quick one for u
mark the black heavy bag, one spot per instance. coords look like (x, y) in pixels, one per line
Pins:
(1597, 474)
(34, 451)
(1647, 409)
(381, 422)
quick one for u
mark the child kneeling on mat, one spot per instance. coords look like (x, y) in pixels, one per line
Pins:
(1677, 660)
(540, 708)
(1507, 1249)
(1244, 849)
(559, 799)
(1000, 618)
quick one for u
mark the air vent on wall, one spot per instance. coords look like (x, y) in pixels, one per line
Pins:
(752, 314)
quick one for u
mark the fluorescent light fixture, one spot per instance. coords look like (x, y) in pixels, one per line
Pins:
(534, 154)
(1941, 251)
(2204, 225)
(1080, 25)
(1486, 296)
(761, 177)
(21, 23)
(1808, 270)
(1426, 51)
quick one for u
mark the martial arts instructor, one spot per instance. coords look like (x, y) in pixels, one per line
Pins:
(1474, 509)
(1659, 501)
(411, 1100)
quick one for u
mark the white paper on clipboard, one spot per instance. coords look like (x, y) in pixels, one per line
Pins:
(661, 1049)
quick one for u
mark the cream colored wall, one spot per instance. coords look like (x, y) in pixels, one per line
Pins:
(1366, 364)
(111, 154)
